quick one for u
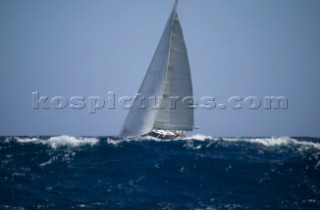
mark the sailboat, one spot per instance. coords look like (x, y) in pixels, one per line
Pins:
(163, 107)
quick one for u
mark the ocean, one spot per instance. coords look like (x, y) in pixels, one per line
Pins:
(199, 172)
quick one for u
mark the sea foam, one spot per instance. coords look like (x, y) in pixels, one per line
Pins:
(70, 141)
(60, 141)
(275, 141)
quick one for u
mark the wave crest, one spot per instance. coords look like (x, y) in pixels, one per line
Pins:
(60, 141)
(26, 140)
(70, 141)
(275, 141)
(199, 137)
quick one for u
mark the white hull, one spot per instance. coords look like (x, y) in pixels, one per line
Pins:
(165, 134)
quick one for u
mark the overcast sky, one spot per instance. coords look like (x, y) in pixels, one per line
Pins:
(87, 48)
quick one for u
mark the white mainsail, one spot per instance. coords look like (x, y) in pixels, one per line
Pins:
(168, 78)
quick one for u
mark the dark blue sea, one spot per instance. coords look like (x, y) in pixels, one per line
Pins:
(199, 172)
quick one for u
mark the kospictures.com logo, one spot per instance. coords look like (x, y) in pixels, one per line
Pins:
(140, 101)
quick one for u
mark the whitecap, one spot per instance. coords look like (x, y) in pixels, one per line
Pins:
(275, 141)
(59, 141)
(116, 141)
(70, 141)
(48, 162)
(198, 137)
(27, 140)
(265, 141)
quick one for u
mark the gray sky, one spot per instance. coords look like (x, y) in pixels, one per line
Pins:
(87, 48)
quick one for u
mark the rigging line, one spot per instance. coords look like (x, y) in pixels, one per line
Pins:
(176, 4)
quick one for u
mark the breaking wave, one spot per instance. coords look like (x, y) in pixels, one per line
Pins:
(56, 142)
(197, 172)
(275, 141)
(60, 141)
(284, 141)
(71, 141)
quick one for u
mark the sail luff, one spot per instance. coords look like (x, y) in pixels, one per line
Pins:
(174, 12)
